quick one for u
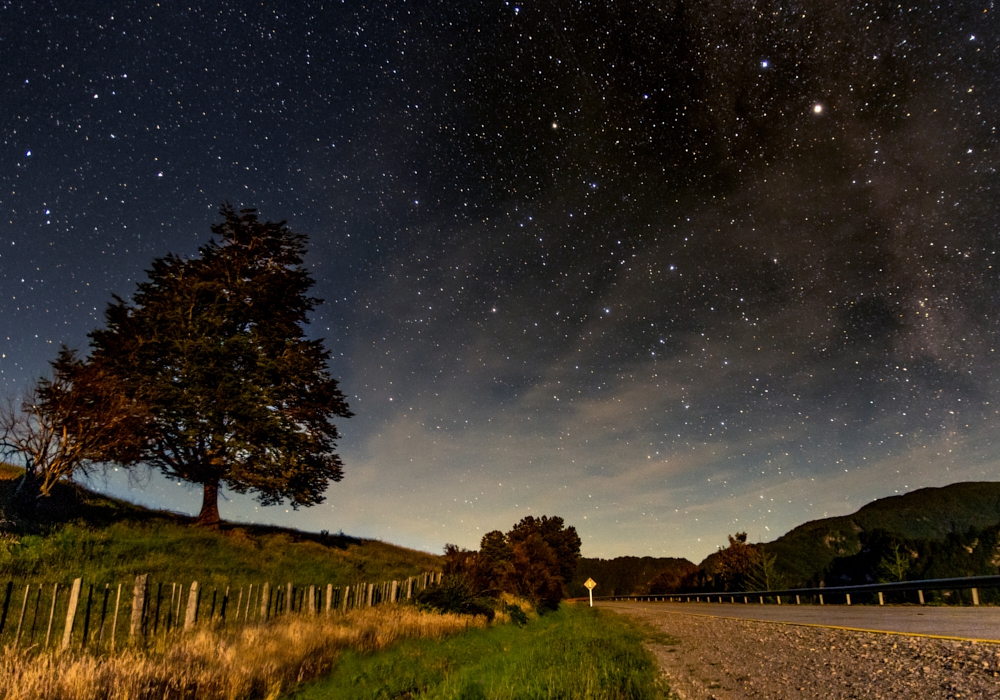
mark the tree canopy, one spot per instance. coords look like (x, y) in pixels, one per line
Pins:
(63, 426)
(535, 559)
(212, 357)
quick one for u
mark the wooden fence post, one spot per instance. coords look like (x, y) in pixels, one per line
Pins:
(156, 612)
(289, 599)
(86, 616)
(177, 609)
(347, 593)
(409, 588)
(104, 614)
(265, 600)
(138, 604)
(848, 598)
(74, 600)
(114, 624)
(394, 591)
(6, 605)
(371, 593)
(920, 594)
(52, 614)
(34, 614)
(20, 620)
(975, 596)
(246, 613)
(881, 599)
(329, 597)
(312, 600)
(191, 613)
(223, 609)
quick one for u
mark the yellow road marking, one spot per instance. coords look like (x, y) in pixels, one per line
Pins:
(836, 627)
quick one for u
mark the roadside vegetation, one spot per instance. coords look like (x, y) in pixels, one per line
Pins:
(258, 661)
(575, 652)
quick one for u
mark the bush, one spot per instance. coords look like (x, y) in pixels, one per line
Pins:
(455, 595)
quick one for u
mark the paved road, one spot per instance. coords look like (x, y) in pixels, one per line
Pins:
(982, 623)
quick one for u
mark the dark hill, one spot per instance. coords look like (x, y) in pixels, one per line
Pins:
(806, 553)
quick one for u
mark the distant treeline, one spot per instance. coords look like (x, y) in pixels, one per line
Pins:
(629, 575)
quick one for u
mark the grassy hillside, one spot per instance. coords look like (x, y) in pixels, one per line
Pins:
(805, 553)
(625, 575)
(81, 533)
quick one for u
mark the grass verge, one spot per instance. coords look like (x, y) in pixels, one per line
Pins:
(259, 661)
(577, 652)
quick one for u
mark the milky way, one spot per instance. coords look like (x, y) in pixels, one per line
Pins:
(668, 270)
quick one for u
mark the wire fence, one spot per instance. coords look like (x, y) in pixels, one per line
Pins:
(102, 617)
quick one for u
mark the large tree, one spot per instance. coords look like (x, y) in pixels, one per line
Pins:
(211, 351)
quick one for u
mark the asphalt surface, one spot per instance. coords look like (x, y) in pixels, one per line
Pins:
(979, 623)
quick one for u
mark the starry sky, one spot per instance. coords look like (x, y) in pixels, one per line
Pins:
(669, 270)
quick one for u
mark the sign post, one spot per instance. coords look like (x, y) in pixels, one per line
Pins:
(590, 584)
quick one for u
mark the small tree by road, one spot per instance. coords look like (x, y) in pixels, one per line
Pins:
(535, 559)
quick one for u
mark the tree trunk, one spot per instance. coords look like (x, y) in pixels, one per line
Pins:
(209, 515)
(28, 494)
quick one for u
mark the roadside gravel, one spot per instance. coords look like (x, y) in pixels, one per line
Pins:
(718, 659)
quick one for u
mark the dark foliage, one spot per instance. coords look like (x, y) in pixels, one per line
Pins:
(665, 582)
(517, 616)
(946, 532)
(62, 427)
(806, 553)
(211, 355)
(534, 559)
(630, 575)
(456, 594)
(734, 564)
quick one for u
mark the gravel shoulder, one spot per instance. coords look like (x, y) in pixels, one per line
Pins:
(707, 658)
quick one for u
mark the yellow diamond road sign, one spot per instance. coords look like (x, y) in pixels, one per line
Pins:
(590, 584)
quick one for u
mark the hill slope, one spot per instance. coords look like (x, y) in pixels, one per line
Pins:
(805, 553)
(81, 533)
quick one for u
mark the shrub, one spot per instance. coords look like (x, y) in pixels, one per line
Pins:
(455, 594)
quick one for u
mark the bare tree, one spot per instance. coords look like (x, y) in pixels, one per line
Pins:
(64, 427)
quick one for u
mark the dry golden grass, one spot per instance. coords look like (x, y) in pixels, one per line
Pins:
(259, 661)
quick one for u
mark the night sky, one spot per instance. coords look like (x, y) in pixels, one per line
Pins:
(669, 270)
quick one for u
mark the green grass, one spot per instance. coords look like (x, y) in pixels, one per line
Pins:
(104, 540)
(577, 652)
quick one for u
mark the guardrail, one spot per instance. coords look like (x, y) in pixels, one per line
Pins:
(970, 583)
